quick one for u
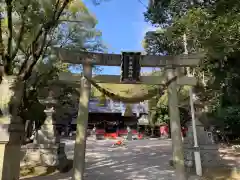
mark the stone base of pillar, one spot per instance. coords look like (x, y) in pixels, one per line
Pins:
(46, 155)
(10, 154)
(129, 136)
(40, 155)
(47, 150)
(10, 161)
(65, 164)
(208, 150)
(49, 154)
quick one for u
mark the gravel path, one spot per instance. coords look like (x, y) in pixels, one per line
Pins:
(140, 160)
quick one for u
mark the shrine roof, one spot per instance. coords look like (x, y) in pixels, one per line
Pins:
(116, 107)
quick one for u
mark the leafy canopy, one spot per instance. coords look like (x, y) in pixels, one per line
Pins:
(210, 26)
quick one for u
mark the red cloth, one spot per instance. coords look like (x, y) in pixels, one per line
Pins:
(164, 130)
(140, 136)
(111, 135)
(100, 131)
(184, 131)
(122, 131)
(134, 131)
(119, 142)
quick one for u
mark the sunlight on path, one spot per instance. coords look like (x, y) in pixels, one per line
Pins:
(140, 160)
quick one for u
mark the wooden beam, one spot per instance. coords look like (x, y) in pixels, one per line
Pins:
(78, 57)
(115, 79)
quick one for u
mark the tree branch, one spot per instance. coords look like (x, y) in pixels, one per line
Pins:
(66, 2)
(8, 63)
(66, 40)
(27, 57)
(1, 51)
(56, 6)
(21, 31)
(46, 29)
(41, 52)
(52, 22)
(1, 41)
(47, 45)
(36, 56)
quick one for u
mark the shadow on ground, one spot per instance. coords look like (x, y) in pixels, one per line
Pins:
(142, 160)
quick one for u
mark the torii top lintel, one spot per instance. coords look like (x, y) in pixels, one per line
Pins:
(104, 59)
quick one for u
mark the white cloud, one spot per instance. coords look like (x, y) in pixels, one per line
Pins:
(143, 29)
(147, 28)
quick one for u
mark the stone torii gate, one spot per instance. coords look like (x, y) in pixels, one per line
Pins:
(170, 63)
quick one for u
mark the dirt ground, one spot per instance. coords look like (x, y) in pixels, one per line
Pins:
(140, 160)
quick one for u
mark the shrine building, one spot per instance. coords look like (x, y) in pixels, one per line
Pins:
(112, 118)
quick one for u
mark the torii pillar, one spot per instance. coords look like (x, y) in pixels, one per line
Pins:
(77, 57)
(177, 144)
(82, 123)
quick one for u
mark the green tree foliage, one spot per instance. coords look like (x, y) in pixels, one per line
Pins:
(67, 106)
(228, 119)
(29, 30)
(160, 42)
(210, 26)
(158, 106)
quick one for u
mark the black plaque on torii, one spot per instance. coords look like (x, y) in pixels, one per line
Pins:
(130, 67)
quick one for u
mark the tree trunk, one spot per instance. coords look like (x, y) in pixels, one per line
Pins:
(11, 128)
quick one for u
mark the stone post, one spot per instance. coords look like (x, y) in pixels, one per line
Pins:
(208, 150)
(11, 128)
(10, 150)
(47, 137)
(177, 145)
(82, 123)
(129, 134)
(188, 147)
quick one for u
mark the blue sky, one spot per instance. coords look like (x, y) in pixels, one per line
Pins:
(122, 25)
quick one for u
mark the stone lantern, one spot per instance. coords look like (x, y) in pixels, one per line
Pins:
(48, 129)
(47, 137)
(128, 111)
